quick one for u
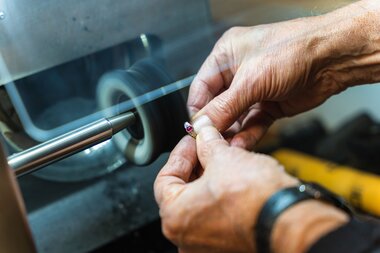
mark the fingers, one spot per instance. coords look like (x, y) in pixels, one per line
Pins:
(231, 132)
(210, 143)
(253, 129)
(227, 107)
(176, 172)
(211, 79)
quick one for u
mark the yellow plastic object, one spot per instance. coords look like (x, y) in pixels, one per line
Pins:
(359, 188)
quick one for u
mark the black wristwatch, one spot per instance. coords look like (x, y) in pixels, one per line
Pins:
(284, 199)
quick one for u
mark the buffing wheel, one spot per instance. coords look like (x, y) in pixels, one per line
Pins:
(160, 121)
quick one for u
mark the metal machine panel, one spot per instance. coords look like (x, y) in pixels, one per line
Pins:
(103, 210)
(39, 34)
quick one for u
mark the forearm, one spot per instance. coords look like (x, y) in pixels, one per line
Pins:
(298, 228)
(347, 45)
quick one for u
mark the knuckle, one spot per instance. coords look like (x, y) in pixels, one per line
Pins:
(228, 36)
(177, 161)
(234, 31)
(223, 107)
(177, 166)
(172, 229)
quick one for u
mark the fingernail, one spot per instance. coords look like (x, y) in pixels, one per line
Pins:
(209, 133)
(202, 121)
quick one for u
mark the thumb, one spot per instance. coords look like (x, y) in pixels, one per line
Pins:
(210, 143)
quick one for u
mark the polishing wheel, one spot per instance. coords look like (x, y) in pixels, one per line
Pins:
(159, 122)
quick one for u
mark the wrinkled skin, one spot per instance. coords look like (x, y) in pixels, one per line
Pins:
(211, 191)
(255, 75)
(201, 215)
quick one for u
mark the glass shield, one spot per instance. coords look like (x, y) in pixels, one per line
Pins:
(64, 66)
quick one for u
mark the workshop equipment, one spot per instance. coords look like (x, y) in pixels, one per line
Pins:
(53, 56)
(44, 154)
(140, 87)
(30, 160)
(359, 188)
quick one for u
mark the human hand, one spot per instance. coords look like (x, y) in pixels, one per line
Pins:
(255, 75)
(217, 211)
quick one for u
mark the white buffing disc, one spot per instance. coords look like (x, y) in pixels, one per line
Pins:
(113, 85)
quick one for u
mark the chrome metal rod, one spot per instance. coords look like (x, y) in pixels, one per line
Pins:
(37, 157)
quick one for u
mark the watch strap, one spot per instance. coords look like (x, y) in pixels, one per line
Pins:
(284, 199)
